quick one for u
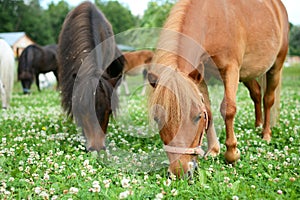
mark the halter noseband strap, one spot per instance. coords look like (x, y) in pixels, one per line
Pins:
(191, 151)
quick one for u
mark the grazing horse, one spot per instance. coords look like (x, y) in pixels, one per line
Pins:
(90, 68)
(7, 65)
(137, 62)
(236, 41)
(35, 60)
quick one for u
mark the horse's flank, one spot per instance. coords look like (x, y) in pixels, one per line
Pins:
(7, 62)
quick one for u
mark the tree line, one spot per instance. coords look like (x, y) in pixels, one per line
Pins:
(43, 25)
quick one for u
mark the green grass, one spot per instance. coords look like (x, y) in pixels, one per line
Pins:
(42, 153)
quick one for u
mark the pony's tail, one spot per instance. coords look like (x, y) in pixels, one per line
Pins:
(83, 29)
(275, 110)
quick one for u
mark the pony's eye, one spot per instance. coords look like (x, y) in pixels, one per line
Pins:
(197, 118)
(156, 119)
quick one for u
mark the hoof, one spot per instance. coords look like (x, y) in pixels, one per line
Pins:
(267, 138)
(232, 157)
(213, 152)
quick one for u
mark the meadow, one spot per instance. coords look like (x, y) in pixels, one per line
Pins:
(42, 152)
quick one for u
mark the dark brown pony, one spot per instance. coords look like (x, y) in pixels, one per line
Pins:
(35, 60)
(236, 41)
(137, 62)
(90, 67)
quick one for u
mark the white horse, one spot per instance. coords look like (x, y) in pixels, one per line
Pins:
(7, 64)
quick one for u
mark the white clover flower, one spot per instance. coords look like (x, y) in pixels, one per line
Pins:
(38, 190)
(125, 182)
(86, 163)
(226, 179)
(95, 183)
(235, 198)
(46, 176)
(159, 196)
(167, 182)
(11, 179)
(158, 176)
(96, 188)
(124, 195)
(174, 192)
(83, 174)
(73, 190)
(44, 195)
(55, 197)
(56, 165)
(106, 183)
(270, 166)
(279, 191)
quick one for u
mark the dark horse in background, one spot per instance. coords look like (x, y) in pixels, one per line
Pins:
(90, 68)
(35, 60)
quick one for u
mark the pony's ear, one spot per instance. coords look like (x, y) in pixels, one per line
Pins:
(152, 78)
(197, 74)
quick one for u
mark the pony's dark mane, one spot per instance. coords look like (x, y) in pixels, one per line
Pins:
(84, 28)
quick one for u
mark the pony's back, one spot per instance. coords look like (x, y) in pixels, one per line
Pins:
(7, 63)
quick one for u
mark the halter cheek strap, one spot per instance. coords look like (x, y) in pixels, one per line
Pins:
(191, 151)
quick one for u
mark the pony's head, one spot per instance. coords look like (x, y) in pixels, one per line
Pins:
(26, 79)
(177, 106)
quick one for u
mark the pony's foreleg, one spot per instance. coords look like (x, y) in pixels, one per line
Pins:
(3, 95)
(145, 73)
(255, 94)
(230, 77)
(127, 92)
(212, 139)
(57, 78)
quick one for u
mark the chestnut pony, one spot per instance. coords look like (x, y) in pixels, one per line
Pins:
(237, 41)
(90, 67)
(137, 62)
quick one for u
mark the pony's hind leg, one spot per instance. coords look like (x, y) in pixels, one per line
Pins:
(37, 81)
(255, 94)
(273, 79)
(3, 95)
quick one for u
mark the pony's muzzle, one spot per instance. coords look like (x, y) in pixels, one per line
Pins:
(185, 174)
(26, 91)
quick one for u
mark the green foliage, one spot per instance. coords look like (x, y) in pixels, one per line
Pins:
(56, 14)
(294, 43)
(157, 13)
(42, 26)
(119, 16)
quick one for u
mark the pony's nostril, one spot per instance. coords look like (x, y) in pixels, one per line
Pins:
(168, 175)
(103, 148)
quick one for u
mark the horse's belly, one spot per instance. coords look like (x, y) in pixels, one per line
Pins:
(134, 71)
(256, 67)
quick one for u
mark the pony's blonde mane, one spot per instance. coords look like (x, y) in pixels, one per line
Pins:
(175, 92)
